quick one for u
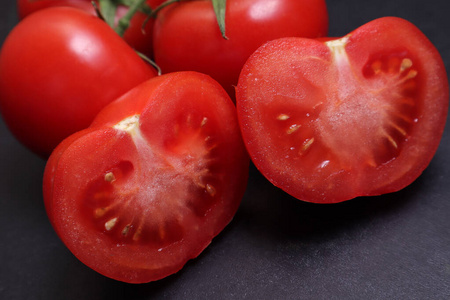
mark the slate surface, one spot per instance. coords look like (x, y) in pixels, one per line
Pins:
(395, 246)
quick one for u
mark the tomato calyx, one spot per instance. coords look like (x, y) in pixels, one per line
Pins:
(219, 7)
(219, 10)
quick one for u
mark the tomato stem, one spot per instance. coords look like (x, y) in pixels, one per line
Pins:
(97, 11)
(108, 11)
(149, 61)
(124, 22)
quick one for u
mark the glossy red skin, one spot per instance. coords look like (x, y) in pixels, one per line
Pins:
(376, 139)
(163, 104)
(137, 37)
(187, 37)
(58, 68)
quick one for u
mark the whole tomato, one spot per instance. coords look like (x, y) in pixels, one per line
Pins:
(187, 36)
(137, 36)
(58, 68)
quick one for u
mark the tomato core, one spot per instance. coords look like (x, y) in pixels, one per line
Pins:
(175, 186)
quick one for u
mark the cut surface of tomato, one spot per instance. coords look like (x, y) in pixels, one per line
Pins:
(361, 115)
(160, 172)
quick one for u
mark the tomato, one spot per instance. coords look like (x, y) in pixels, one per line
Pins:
(137, 36)
(26, 7)
(58, 68)
(160, 172)
(362, 115)
(187, 37)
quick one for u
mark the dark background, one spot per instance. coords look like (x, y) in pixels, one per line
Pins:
(395, 246)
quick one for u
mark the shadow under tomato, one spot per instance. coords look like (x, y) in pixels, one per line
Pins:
(271, 213)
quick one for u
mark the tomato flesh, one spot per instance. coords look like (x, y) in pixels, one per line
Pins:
(135, 198)
(362, 115)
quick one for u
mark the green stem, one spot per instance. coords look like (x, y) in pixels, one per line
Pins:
(124, 22)
(149, 61)
(108, 11)
(219, 9)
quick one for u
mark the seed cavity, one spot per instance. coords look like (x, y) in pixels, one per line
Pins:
(293, 128)
(138, 233)
(408, 100)
(376, 66)
(162, 232)
(109, 177)
(110, 224)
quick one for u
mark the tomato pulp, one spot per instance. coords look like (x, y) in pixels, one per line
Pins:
(160, 172)
(362, 115)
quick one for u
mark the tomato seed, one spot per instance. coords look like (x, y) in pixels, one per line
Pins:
(406, 64)
(110, 224)
(398, 128)
(109, 177)
(100, 212)
(211, 190)
(204, 121)
(391, 140)
(282, 117)
(293, 128)
(125, 230)
(306, 145)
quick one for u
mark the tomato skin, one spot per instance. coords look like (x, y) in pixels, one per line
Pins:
(26, 7)
(328, 121)
(58, 68)
(187, 37)
(137, 37)
(180, 115)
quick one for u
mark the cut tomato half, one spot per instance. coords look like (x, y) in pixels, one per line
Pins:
(331, 120)
(160, 172)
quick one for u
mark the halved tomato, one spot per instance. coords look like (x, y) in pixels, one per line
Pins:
(160, 172)
(330, 120)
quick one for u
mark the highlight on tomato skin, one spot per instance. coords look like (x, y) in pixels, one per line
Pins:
(329, 120)
(158, 175)
(187, 37)
(58, 67)
(137, 36)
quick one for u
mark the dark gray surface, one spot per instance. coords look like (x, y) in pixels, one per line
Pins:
(395, 246)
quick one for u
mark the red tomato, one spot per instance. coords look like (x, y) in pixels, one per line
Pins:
(26, 7)
(137, 37)
(187, 37)
(160, 172)
(357, 116)
(58, 68)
